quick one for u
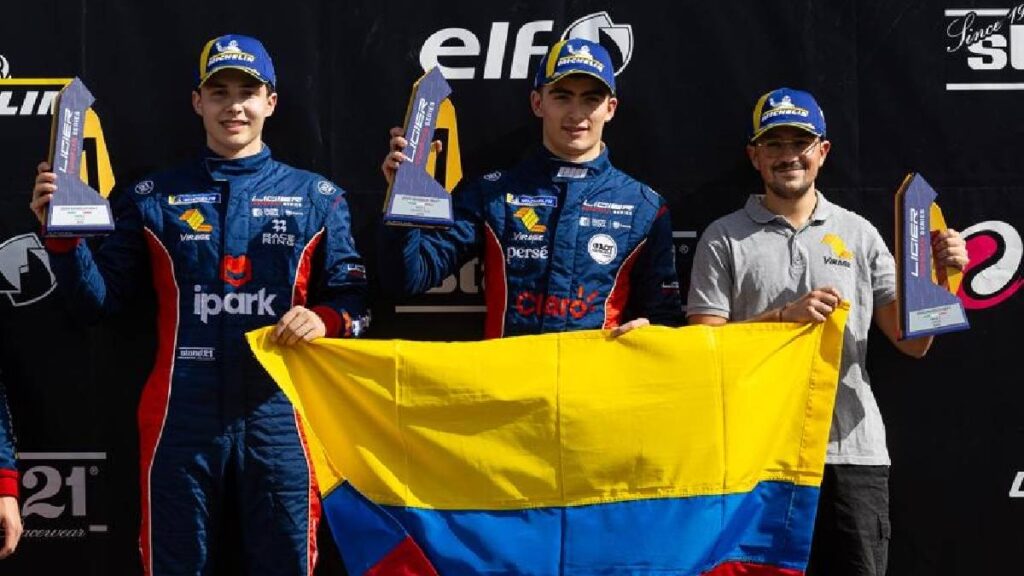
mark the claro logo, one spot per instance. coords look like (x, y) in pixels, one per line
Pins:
(447, 46)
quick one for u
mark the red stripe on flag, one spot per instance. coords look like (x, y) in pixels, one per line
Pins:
(748, 569)
(406, 559)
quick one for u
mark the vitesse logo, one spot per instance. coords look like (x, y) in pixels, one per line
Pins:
(528, 216)
(195, 220)
(26, 107)
(841, 255)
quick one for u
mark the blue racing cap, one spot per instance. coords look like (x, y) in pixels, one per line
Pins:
(243, 53)
(788, 107)
(576, 56)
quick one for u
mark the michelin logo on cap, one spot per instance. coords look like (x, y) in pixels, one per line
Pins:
(576, 56)
(239, 52)
(787, 107)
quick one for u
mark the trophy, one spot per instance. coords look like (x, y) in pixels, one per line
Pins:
(925, 297)
(76, 209)
(415, 198)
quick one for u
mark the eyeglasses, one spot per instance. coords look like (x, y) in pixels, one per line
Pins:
(798, 147)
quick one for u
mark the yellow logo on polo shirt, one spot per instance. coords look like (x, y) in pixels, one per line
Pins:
(838, 246)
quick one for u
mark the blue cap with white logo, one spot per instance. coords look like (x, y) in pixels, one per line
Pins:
(239, 52)
(788, 107)
(576, 56)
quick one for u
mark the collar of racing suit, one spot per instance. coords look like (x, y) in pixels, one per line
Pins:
(559, 170)
(222, 169)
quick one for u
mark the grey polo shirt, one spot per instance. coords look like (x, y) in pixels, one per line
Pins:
(752, 260)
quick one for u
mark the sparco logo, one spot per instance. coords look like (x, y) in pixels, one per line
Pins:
(57, 490)
(460, 43)
(987, 48)
(238, 303)
(25, 275)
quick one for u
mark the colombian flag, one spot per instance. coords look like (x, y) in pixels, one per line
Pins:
(667, 451)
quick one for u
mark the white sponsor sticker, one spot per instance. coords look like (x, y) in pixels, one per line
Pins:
(602, 248)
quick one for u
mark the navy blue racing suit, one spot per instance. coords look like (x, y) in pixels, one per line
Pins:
(229, 246)
(566, 246)
(8, 471)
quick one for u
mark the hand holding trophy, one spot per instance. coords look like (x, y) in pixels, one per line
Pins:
(74, 208)
(925, 292)
(414, 197)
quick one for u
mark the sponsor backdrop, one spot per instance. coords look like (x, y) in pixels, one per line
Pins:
(933, 87)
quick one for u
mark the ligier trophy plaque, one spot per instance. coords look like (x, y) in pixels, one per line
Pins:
(926, 296)
(76, 209)
(415, 198)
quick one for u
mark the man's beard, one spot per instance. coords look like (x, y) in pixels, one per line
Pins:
(786, 192)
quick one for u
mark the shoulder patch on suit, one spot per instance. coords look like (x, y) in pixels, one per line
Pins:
(493, 176)
(144, 187)
(326, 188)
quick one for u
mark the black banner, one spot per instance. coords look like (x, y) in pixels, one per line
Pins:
(932, 87)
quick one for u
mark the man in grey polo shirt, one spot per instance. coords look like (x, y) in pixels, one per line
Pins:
(790, 255)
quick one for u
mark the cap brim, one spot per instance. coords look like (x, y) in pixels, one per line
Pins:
(806, 127)
(581, 73)
(250, 71)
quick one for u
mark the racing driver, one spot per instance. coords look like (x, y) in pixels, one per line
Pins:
(569, 242)
(231, 240)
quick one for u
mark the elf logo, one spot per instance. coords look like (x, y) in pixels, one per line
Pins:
(236, 270)
(450, 44)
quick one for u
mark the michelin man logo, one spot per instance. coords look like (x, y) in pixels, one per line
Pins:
(582, 51)
(25, 275)
(231, 47)
(599, 28)
(787, 102)
(5, 67)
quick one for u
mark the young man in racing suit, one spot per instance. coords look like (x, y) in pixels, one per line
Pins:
(231, 241)
(569, 242)
(10, 512)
